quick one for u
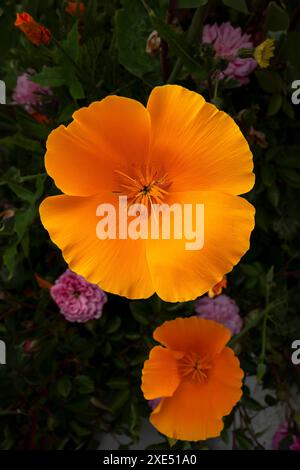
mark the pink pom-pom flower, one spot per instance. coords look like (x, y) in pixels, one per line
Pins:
(78, 300)
(226, 42)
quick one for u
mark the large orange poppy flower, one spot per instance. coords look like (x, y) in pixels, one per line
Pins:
(197, 378)
(179, 149)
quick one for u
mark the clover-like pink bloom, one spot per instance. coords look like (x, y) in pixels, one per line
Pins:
(28, 94)
(227, 41)
(221, 309)
(78, 300)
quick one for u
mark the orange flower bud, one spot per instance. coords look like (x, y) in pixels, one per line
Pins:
(35, 32)
(73, 8)
(38, 117)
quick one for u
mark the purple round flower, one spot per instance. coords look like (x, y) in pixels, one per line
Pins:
(78, 300)
(221, 309)
(226, 42)
(28, 94)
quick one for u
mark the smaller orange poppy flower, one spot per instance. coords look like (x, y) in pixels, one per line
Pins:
(196, 377)
(217, 288)
(73, 7)
(35, 32)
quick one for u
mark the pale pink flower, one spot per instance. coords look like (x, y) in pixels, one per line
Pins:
(78, 300)
(28, 94)
(227, 41)
(221, 309)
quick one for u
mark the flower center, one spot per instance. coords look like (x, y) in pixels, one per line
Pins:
(143, 187)
(194, 367)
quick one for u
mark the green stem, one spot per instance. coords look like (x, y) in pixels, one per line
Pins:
(254, 322)
(31, 177)
(194, 31)
(264, 329)
(72, 61)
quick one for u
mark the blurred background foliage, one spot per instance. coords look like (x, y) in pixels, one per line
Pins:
(64, 384)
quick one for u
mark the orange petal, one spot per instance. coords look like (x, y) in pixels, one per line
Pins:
(109, 135)
(187, 415)
(160, 376)
(225, 382)
(201, 147)
(117, 266)
(193, 334)
(180, 274)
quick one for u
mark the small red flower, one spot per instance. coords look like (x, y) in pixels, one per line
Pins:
(35, 32)
(41, 118)
(74, 7)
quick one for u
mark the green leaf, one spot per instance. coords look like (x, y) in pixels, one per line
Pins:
(290, 158)
(287, 108)
(269, 80)
(239, 5)
(133, 27)
(252, 404)
(10, 258)
(243, 441)
(114, 325)
(274, 105)
(23, 220)
(50, 76)
(273, 195)
(84, 384)
(22, 193)
(277, 18)
(140, 311)
(76, 89)
(291, 177)
(66, 113)
(64, 387)
(120, 400)
(79, 430)
(71, 44)
(118, 383)
(292, 50)
(28, 144)
(191, 3)
(268, 174)
(261, 370)
(178, 44)
(270, 275)
(172, 442)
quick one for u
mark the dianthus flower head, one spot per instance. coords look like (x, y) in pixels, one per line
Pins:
(78, 300)
(28, 94)
(226, 41)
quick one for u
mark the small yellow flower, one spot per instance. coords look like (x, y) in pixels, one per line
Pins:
(264, 52)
